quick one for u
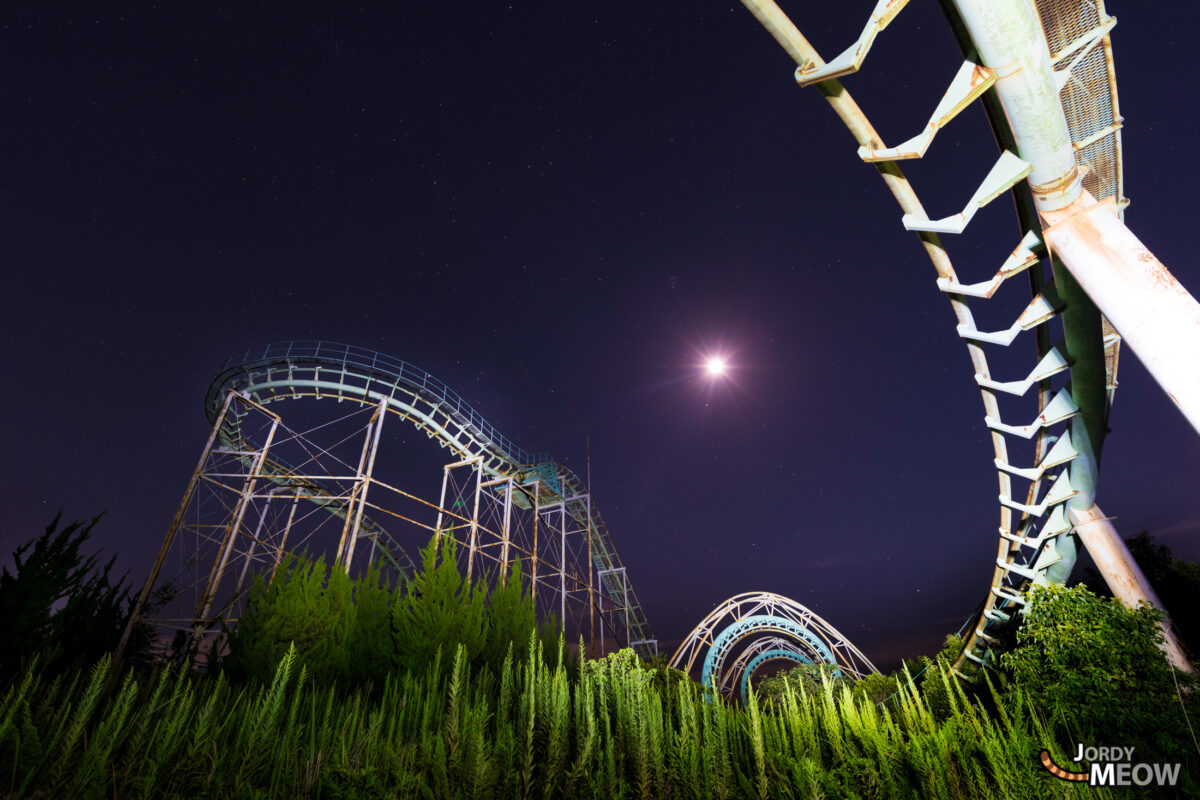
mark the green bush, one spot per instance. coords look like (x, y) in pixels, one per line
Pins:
(440, 609)
(1096, 667)
(308, 605)
(354, 631)
(510, 618)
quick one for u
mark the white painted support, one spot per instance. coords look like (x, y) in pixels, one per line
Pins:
(1005, 173)
(1124, 577)
(1060, 408)
(1039, 310)
(1009, 40)
(852, 57)
(1062, 452)
(1052, 363)
(968, 84)
(1156, 317)
(1019, 260)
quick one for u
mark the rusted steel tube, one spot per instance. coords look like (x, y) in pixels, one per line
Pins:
(1123, 575)
(1151, 310)
(1010, 41)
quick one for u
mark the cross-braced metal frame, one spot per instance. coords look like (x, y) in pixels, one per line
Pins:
(735, 635)
(267, 486)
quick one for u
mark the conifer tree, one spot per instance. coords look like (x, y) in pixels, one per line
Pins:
(370, 648)
(308, 605)
(510, 619)
(59, 602)
(440, 610)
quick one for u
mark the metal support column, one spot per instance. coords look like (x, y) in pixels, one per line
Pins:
(374, 429)
(562, 567)
(1154, 314)
(362, 481)
(505, 535)
(255, 539)
(533, 574)
(475, 519)
(173, 529)
(590, 593)
(235, 523)
(1124, 577)
(624, 597)
(287, 529)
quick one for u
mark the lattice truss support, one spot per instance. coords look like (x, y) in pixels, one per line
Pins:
(316, 483)
(1046, 455)
(752, 629)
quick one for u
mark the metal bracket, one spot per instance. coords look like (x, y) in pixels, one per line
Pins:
(1029, 573)
(1084, 44)
(1007, 171)
(1062, 452)
(1060, 408)
(852, 57)
(969, 83)
(1019, 260)
(1039, 310)
(1011, 597)
(1053, 363)
(1060, 491)
(996, 615)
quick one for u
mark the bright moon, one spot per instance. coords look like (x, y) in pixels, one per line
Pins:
(715, 366)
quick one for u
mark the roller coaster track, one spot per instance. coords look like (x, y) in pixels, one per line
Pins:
(761, 627)
(318, 369)
(1037, 542)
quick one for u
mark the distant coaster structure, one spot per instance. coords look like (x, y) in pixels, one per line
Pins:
(317, 480)
(1044, 74)
(753, 629)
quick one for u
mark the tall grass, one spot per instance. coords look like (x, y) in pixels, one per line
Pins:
(611, 731)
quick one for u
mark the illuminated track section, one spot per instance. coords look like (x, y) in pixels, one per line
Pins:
(1047, 457)
(753, 628)
(248, 457)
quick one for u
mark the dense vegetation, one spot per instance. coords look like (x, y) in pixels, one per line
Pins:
(424, 690)
(354, 631)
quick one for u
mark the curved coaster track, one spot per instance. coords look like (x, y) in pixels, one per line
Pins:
(1044, 74)
(267, 486)
(752, 629)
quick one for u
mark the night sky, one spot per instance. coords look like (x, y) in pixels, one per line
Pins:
(558, 209)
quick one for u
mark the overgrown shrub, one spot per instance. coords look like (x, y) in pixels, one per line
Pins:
(439, 610)
(308, 605)
(351, 631)
(1096, 667)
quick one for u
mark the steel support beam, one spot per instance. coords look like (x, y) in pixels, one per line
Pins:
(1156, 317)
(366, 468)
(1124, 577)
(173, 529)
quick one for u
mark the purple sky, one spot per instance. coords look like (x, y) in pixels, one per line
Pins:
(557, 209)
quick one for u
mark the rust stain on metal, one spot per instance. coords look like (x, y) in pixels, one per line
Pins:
(1158, 275)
